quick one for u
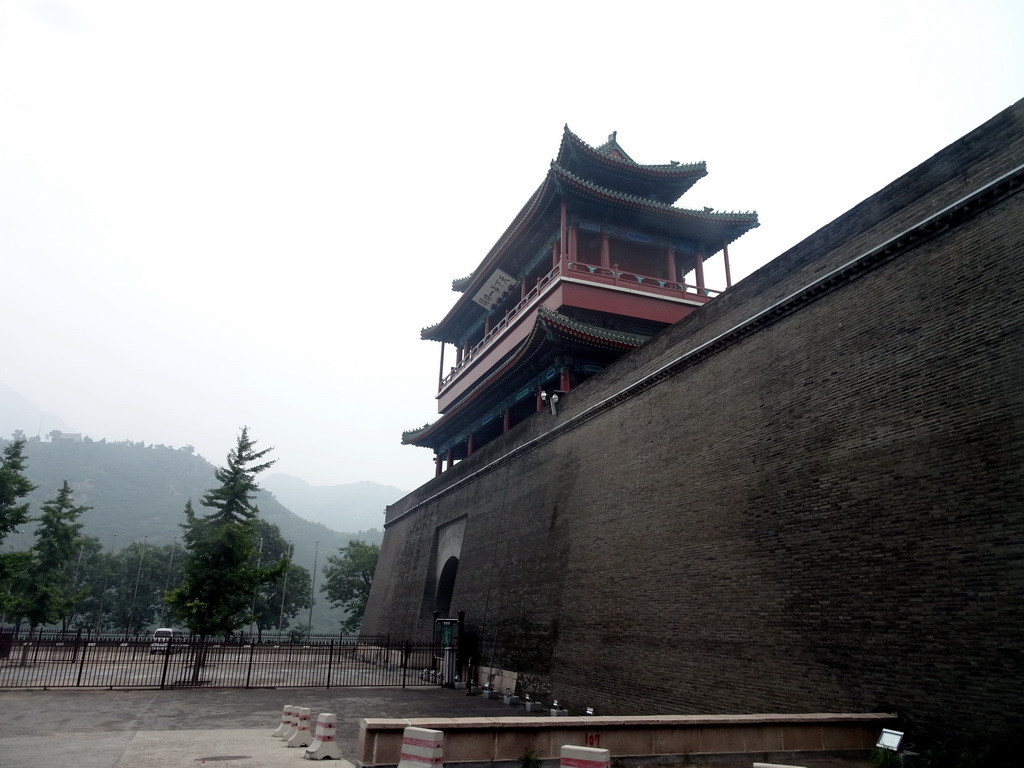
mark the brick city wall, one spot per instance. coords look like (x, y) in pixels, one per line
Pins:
(816, 506)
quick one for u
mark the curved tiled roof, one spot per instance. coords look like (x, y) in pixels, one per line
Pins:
(745, 220)
(549, 326)
(664, 182)
(713, 228)
(556, 322)
(576, 156)
(611, 148)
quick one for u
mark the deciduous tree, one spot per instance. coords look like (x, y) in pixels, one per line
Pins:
(280, 601)
(135, 598)
(348, 577)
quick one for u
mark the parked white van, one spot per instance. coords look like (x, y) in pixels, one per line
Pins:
(165, 638)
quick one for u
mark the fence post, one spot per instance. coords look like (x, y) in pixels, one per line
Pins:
(248, 673)
(167, 660)
(81, 663)
(405, 660)
(330, 663)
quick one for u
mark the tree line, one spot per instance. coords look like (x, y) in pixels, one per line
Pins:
(232, 570)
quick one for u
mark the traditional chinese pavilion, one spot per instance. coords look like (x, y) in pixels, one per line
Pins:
(597, 261)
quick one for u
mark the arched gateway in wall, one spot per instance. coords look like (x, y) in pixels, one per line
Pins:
(446, 587)
(448, 548)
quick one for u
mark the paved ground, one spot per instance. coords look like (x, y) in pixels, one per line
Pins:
(168, 729)
(188, 728)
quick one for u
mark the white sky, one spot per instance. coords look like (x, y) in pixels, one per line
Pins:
(216, 214)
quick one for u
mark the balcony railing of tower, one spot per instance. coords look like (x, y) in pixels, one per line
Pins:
(591, 273)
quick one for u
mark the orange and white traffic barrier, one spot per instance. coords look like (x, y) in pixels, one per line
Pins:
(286, 722)
(324, 745)
(422, 748)
(301, 737)
(585, 757)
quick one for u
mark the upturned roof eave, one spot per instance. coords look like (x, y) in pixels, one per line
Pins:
(548, 326)
(671, 181)
(410, 438)
(535, 207)
(572, 144)
(566, 180)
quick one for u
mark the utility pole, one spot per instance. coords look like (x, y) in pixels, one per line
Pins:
(312, 598)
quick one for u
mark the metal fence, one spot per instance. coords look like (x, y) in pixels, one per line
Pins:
(73, 662)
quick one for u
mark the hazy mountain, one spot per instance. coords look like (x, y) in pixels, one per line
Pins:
(352, 507)
(138, 491)
(16, 412)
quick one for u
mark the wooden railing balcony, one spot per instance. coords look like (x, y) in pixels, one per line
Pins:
(590, 273)
(656, 285)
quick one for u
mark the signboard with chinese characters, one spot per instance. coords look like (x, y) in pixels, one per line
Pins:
(494, 290)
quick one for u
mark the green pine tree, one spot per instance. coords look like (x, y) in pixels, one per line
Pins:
(14, 486)
(46, 591)
(222, 568)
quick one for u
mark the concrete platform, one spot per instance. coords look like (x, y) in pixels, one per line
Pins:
(188, 728)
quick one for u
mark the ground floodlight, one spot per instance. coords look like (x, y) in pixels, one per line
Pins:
(889, 740)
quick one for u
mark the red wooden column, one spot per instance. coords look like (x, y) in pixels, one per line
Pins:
(437, 464)
(728, 273)
(540, 400)
(450, 459)
(670, 264)
(440, 370)
(700, 266)
(563, 229)
(606, 252)
(470, 445)
(506, 420)
(573, 237)
(565, 381)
